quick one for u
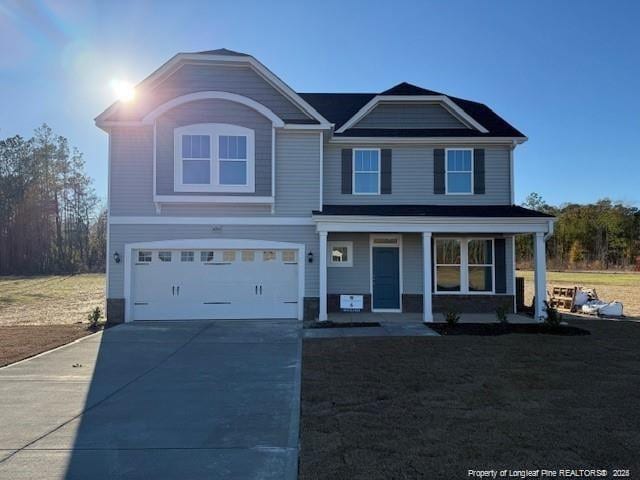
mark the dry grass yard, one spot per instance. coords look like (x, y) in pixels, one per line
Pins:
(49, 300)
(624, 286)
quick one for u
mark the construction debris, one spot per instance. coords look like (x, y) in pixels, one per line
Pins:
(584, 300)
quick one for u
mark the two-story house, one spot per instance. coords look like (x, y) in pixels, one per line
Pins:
(233, 196)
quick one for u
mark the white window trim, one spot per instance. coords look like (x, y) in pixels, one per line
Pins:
(446, 171)
(338, 243)
(214, 130)
(353, 170)
(464, 267)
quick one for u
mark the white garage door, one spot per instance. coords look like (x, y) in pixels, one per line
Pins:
(174, 284)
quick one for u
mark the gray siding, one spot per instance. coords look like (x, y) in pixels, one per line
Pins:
(426, 115)
(191, 78)
(412, 178)
(351, 279)
(131, 171)
(297, 173)
(356, 279)
(121, 234)
(212, 111)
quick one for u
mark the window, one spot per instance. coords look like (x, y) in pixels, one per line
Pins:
(206, 256)
(164, 256)
(232, 153)
(186, 256)
(366, 172)
(480, 254)
(268, 255)
(196, 159)
(340, 254)
(248, 255)
(448, 266)
(229, 256)
(464, 265)
(144, 256)
(289, 256)
(459, 168)
(214, 157)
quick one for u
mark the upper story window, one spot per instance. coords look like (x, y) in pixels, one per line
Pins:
(366, 171)
(459, 171)
(214, 157)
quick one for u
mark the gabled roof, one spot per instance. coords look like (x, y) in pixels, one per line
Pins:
(485, 211)
(223, 51)
(339, 108)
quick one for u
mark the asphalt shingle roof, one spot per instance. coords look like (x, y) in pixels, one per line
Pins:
(506, 211)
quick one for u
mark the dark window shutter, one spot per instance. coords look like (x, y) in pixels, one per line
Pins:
(478, 171)
(501, 265)
(347, 170)
(385, 171)
(438, 171)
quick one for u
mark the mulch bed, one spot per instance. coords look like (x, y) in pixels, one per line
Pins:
(18, 342)
(419, 407)
(329, 324)
(493, 329)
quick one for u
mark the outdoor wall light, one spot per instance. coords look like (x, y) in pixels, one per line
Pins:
(310, 257)
(116, 257)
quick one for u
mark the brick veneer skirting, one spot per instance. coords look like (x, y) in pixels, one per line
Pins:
(115, 310)
(333, 302)
(311, 308)
(471, 303)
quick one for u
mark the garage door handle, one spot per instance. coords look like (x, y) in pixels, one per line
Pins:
(173, 290)
(260, 289)
(178, 290)
(256, 289)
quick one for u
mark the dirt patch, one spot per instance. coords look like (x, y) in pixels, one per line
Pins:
(434, 407)
(23, 341)
(493, 329)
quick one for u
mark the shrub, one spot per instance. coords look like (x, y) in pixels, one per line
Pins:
(452, 318)
(94, 317)
(554, 318)
(501, 314)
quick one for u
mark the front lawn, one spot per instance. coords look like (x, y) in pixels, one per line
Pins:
(435, 407)
(52, 299)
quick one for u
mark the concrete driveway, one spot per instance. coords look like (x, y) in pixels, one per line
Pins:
(166, 400)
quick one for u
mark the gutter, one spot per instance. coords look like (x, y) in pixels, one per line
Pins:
(548, 235)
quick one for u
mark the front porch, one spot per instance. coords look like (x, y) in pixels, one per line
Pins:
(399, 268)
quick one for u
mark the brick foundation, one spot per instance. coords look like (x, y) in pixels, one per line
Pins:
(411, 303)
(311, 308)
(115, 311)
(471, 303)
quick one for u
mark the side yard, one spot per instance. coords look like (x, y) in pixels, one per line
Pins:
(624, 286)
(435, 407)
(44, 312)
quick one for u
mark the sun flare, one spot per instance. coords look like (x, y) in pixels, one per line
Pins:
(123, 90)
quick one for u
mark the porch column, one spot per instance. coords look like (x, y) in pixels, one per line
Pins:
(323, 276)
(540, 277)
(427, 309)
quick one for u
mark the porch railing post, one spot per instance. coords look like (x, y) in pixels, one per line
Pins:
(427, 309)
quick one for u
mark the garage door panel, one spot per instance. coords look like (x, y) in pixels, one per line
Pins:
(222, 284)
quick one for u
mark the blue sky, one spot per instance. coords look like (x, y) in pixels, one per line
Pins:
(566, 73)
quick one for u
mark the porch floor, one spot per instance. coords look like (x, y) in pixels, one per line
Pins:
(408, 318)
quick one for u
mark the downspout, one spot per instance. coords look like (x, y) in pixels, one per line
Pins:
(548, 235)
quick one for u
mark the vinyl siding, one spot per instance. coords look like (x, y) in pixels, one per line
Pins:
(355, 280)
(297, 173)
(131, 180)
(121, 234)
(412, 178)
(409, 115)
(212, 111)
(235, 78)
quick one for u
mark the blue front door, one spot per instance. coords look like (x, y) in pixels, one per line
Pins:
(386, 277)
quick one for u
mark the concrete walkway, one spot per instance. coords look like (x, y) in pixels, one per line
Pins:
(386, 329)
(163, 400)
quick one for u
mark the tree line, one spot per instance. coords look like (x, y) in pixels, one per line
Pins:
(50, 216)
(599, 236)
